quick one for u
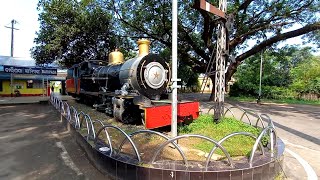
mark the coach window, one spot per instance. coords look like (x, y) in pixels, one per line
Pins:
(70, 73)
(30, 84)
(1, 85)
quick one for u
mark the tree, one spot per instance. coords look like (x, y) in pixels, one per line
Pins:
(286, 72)
(265, 22)
(72, 31)
(307, 76)
(188, 77)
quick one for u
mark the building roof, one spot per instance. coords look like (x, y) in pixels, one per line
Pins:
(20, 61)
(16, 61)
(27, 62)
(4, 76)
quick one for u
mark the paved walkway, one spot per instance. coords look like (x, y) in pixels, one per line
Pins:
(35, 145)
(29, 99)
(22, 100)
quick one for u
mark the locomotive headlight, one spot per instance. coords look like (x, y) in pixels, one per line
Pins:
(155, 75)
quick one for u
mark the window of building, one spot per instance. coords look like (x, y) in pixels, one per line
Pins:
(37, 84)
(1, 85)
(30, 84)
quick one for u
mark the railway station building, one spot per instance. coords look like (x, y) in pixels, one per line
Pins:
(21, 77)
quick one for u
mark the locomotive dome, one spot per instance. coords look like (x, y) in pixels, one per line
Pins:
(143, 45)
(115, 57)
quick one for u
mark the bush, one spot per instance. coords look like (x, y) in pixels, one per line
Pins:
(273, 92)
(268, 92)
(238, 89)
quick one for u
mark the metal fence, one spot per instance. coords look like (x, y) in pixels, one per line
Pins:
(77, 119)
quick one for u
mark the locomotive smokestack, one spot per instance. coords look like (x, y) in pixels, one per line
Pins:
(143, 47)
(115, 57)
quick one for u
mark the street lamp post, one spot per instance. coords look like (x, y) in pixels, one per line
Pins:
(174, 67)
(259, 97)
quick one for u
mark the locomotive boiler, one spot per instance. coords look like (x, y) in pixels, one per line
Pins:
(132, 91)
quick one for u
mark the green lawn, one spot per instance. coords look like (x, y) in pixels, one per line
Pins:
(287, 101)
(236, 146)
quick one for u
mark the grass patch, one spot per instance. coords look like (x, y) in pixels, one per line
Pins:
(237, 146)
(287, 101)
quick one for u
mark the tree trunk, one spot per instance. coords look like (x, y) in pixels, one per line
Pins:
(212, 77)
(231, 70)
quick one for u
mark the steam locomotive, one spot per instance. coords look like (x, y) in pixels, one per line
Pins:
(131, 91)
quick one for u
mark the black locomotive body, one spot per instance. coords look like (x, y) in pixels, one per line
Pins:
(121, 89)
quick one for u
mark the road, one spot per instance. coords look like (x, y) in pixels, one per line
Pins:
(297, 125)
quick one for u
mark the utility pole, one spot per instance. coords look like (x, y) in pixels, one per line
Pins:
(221, 53)
(13, 22)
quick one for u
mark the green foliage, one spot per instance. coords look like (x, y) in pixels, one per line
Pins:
(197, 28)
(72, 31)
(188, 77)
(274, 92)
(307, 76)
(287, 101)
(287, 73)
(236, 146)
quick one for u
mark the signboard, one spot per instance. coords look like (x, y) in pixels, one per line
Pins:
(30, 70)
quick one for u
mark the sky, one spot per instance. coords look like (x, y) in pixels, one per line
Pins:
(26, 14)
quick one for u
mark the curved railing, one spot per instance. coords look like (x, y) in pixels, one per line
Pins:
(161, 135)
(254, 148)
(89, 124)
(107, 135)
(76, 120)
(125, 134)
(229, 136)
(227, 110)
(195, 136)
(244, 113)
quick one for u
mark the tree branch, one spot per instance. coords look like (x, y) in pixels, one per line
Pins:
(277, 38)
(240, 39)
(189, 40)
(138, 28)
(244, 5)
(280, 37)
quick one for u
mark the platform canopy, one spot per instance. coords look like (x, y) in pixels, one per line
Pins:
(26, 69)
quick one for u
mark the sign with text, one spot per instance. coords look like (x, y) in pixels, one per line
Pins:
(30, 70)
